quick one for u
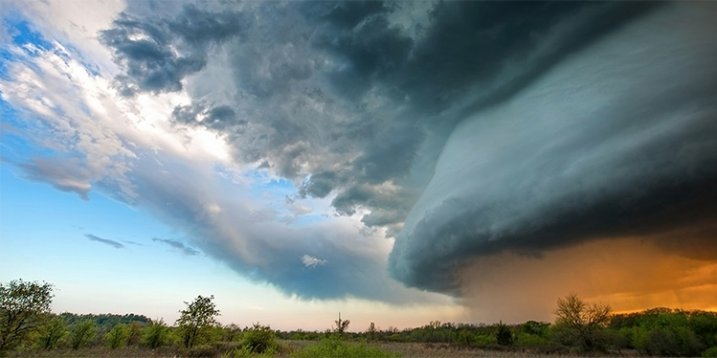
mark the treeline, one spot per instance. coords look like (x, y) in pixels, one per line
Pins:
(105, 321)
(655, 332)
(578, 328)
(27, 327)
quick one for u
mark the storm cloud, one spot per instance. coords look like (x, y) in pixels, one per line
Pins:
(148, 49)
(615, 141)
(477, 127)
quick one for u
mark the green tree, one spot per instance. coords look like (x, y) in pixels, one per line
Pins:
(117, 336)
(196, 318)
(24, 307)
(52, 332)
(82, 334)
(580, 324)
(155, 334)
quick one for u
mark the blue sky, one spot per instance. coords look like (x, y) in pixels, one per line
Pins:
(400, 162)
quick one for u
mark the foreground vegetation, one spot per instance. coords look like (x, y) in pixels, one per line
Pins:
(27, 327)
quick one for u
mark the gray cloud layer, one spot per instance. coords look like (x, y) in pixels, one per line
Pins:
(464, 128)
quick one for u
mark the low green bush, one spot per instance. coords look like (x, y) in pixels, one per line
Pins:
(710, 353)
(259, 339)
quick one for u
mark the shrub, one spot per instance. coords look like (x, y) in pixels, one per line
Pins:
(117, 336)
(134, 333)
(83, 334)
(535, 328)
(155, 334)
(503, 335)
(668, 341)
(531, 341)
(710, 353)
(482, 340)
(259, 339)
(51, 333)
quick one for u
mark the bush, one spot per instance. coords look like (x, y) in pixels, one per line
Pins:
(331, 348)
(531, 341)
(482, 340)
(668, 341)
(134, 333)
(117, 336)
(83, 334)
(259, 339)
(503, 335)
(535, 328)
(52, 333)
(710, 353)
(155, 334)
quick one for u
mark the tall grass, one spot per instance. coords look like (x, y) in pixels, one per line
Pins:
(334, 347)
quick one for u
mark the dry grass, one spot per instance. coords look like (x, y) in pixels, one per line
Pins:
(100, 352)
(420, 350)
(287, 347)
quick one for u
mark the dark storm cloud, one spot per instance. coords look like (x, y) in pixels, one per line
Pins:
(109, 242)
(177, 246)
(218, 118)
(158, 53)
(474, 126)
(504, 46)
(490, 49)
(320, 184)
(626, 149)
